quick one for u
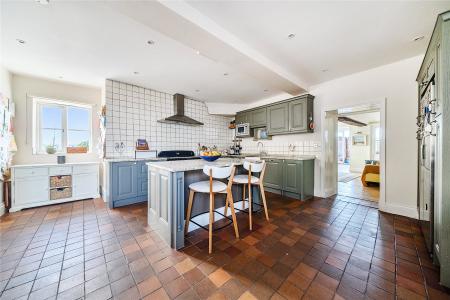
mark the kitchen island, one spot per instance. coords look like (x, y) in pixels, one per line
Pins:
(168, 191)
(168, 186)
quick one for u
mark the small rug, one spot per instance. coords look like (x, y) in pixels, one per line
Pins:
(348, 177)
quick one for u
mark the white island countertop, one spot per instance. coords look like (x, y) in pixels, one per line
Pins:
(198, 164)
(192, 164)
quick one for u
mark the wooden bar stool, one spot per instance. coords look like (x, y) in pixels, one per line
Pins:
(212, 187)
(256, 166)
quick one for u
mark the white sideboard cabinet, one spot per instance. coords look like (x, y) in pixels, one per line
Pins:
(38, 185)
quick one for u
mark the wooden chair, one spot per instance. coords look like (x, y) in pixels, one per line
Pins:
(212, 187)
(256, 166)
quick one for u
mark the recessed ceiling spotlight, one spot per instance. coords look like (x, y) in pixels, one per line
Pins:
(291, 36)
(197, 91)
(266, 90)
(324, 70)
(136, 73)
(418, 38)
(43, 2)
(150, 42)
(197, 51)
(225, 74)
(20, 41)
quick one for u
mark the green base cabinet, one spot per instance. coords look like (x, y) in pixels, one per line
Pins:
(273, 177)
(128, 183)
(290, 177)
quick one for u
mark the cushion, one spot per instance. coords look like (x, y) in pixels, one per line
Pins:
(203, 186)
(242, 179)
(371, 177)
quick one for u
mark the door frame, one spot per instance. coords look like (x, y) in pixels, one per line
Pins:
(329, 177)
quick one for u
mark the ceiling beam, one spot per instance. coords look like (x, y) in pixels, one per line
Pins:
(352, 122)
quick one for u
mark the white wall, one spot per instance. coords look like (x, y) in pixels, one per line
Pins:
(5, 89)
(395, 83)
(25, 86)
(5, 78)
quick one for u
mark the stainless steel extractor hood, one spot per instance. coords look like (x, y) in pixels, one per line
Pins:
(179, 117)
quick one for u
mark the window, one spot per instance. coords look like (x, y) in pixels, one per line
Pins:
(61, 127)
(376, 150)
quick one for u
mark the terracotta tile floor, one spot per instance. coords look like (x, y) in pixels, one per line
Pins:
(324, 249)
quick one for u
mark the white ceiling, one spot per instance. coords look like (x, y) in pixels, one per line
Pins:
(342, 37)
(85, 42)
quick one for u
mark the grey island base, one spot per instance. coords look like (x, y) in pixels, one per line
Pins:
(168, 194)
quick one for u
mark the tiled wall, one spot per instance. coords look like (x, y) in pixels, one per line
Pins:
(300, 145)
(132, 113)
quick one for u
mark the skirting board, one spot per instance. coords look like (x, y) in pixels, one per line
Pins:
(406, 211)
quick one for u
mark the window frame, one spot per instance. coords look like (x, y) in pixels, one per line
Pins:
(374, 140)
(38, 104)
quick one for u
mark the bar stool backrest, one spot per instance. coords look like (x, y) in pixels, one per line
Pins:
(255, 166)
(219, 172)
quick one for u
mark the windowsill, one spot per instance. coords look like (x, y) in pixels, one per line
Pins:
(61, 153)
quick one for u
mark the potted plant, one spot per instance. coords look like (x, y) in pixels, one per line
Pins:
(51, 149)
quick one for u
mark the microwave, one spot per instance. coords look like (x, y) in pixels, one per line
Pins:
(243, 129)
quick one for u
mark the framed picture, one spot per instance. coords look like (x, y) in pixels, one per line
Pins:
(359, 139)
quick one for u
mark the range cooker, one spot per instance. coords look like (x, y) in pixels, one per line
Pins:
(178, 155)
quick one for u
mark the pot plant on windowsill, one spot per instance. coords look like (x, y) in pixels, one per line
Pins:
(51, 149)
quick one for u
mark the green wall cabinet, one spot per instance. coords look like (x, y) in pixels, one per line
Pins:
(242, 117)
(293, 115)
(278, 118)
(290, 177)
(298, 119)
(258, 117)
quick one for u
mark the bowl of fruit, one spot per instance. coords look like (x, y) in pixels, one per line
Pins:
(210, 155)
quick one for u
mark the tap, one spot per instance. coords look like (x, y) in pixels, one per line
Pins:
(261, 151)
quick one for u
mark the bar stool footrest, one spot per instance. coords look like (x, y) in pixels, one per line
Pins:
(215, 229)
(254, 211)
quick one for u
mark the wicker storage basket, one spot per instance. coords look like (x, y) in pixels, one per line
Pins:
(60, 181)
(60, 193)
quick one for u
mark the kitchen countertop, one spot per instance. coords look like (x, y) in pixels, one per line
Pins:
(275, 156)
(193, 164)
(134, 159)
(55, 164)
(268, 156)
(197, 164)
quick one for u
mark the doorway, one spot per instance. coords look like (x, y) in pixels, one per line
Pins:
(329, 158)
(358, 153)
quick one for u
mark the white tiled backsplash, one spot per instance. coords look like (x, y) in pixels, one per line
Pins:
(132, 113)
(293, 144)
